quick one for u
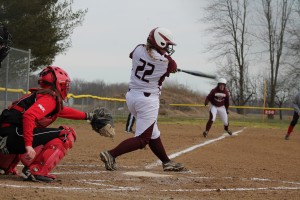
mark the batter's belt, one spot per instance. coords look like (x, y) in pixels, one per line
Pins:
(146, 94)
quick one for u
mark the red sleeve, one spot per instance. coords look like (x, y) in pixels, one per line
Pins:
(71, 113)
(44, 105)
(172, 66)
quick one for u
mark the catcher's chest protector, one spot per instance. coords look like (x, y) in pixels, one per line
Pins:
(14, 115)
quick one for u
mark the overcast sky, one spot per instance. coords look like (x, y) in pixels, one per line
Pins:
(112, 29)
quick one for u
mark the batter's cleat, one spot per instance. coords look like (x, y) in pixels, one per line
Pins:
(205, 133)
(27, 176)
(229, 132)
(173, 166)
(109, 161)
(286, 137)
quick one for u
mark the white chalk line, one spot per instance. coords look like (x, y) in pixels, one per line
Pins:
(174, 155)
(112, 187)
(232, 189)
(136, 188)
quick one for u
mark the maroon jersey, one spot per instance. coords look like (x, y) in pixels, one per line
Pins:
(218, 97)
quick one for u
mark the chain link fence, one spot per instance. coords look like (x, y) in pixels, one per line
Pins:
(14, 74)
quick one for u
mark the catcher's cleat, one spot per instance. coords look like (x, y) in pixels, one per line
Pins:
(28, 176)
(229, 132)
(109, 161)
(205, 133)
(173, 166)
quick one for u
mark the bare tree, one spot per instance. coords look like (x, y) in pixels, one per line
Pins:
(228, 19)
(283, 92)
(276, 13)
(293, 44)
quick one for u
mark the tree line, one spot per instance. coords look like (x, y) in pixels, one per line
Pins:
(260, 34)
(247, 35)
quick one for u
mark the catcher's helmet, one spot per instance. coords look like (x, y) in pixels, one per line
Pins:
(57, 78)
(162, 40)
(5, 42)
(222, 81)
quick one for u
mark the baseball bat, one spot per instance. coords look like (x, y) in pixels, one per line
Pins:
(197, 73)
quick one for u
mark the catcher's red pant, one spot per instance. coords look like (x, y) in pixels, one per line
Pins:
(48, 156)
(15, 142)
(8, 163)
(50, 144)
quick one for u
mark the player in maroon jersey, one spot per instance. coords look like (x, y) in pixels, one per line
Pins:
(151, 64)
(219, 103)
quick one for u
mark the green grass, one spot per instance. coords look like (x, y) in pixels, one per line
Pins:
(257, 122)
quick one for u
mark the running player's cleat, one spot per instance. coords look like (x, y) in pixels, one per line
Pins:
(286, 137)
(109, 161)
(205, 133)
(229, 132)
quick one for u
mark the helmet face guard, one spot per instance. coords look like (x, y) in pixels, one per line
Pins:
(55, 77)
(170, 50)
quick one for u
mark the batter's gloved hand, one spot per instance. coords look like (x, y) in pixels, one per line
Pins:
(174, 71)
(102, 122)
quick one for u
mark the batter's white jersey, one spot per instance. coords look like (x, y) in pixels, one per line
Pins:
(148, 72)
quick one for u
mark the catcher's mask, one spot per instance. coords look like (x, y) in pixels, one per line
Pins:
(5, 42)
(162, 40)
(55, 77)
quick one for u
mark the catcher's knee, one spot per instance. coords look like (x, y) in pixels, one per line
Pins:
(68, 136)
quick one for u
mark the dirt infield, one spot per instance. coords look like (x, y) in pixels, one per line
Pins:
(252, 164)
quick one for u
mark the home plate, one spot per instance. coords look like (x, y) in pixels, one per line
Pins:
(145, 174)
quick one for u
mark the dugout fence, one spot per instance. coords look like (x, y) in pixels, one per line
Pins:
(14, 73)
(119, 108)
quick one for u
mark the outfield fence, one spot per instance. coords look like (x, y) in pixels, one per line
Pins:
(119, 108)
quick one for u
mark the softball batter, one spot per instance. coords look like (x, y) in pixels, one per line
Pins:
(219, 100)
(151, 64)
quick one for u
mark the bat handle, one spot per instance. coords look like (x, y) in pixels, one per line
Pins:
(179, 70)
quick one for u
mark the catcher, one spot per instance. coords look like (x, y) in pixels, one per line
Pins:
(24, 135)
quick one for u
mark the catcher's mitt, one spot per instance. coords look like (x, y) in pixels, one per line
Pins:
(102, 122)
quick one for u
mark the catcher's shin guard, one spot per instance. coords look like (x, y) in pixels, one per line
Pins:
(8, 163)
(48, 156)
